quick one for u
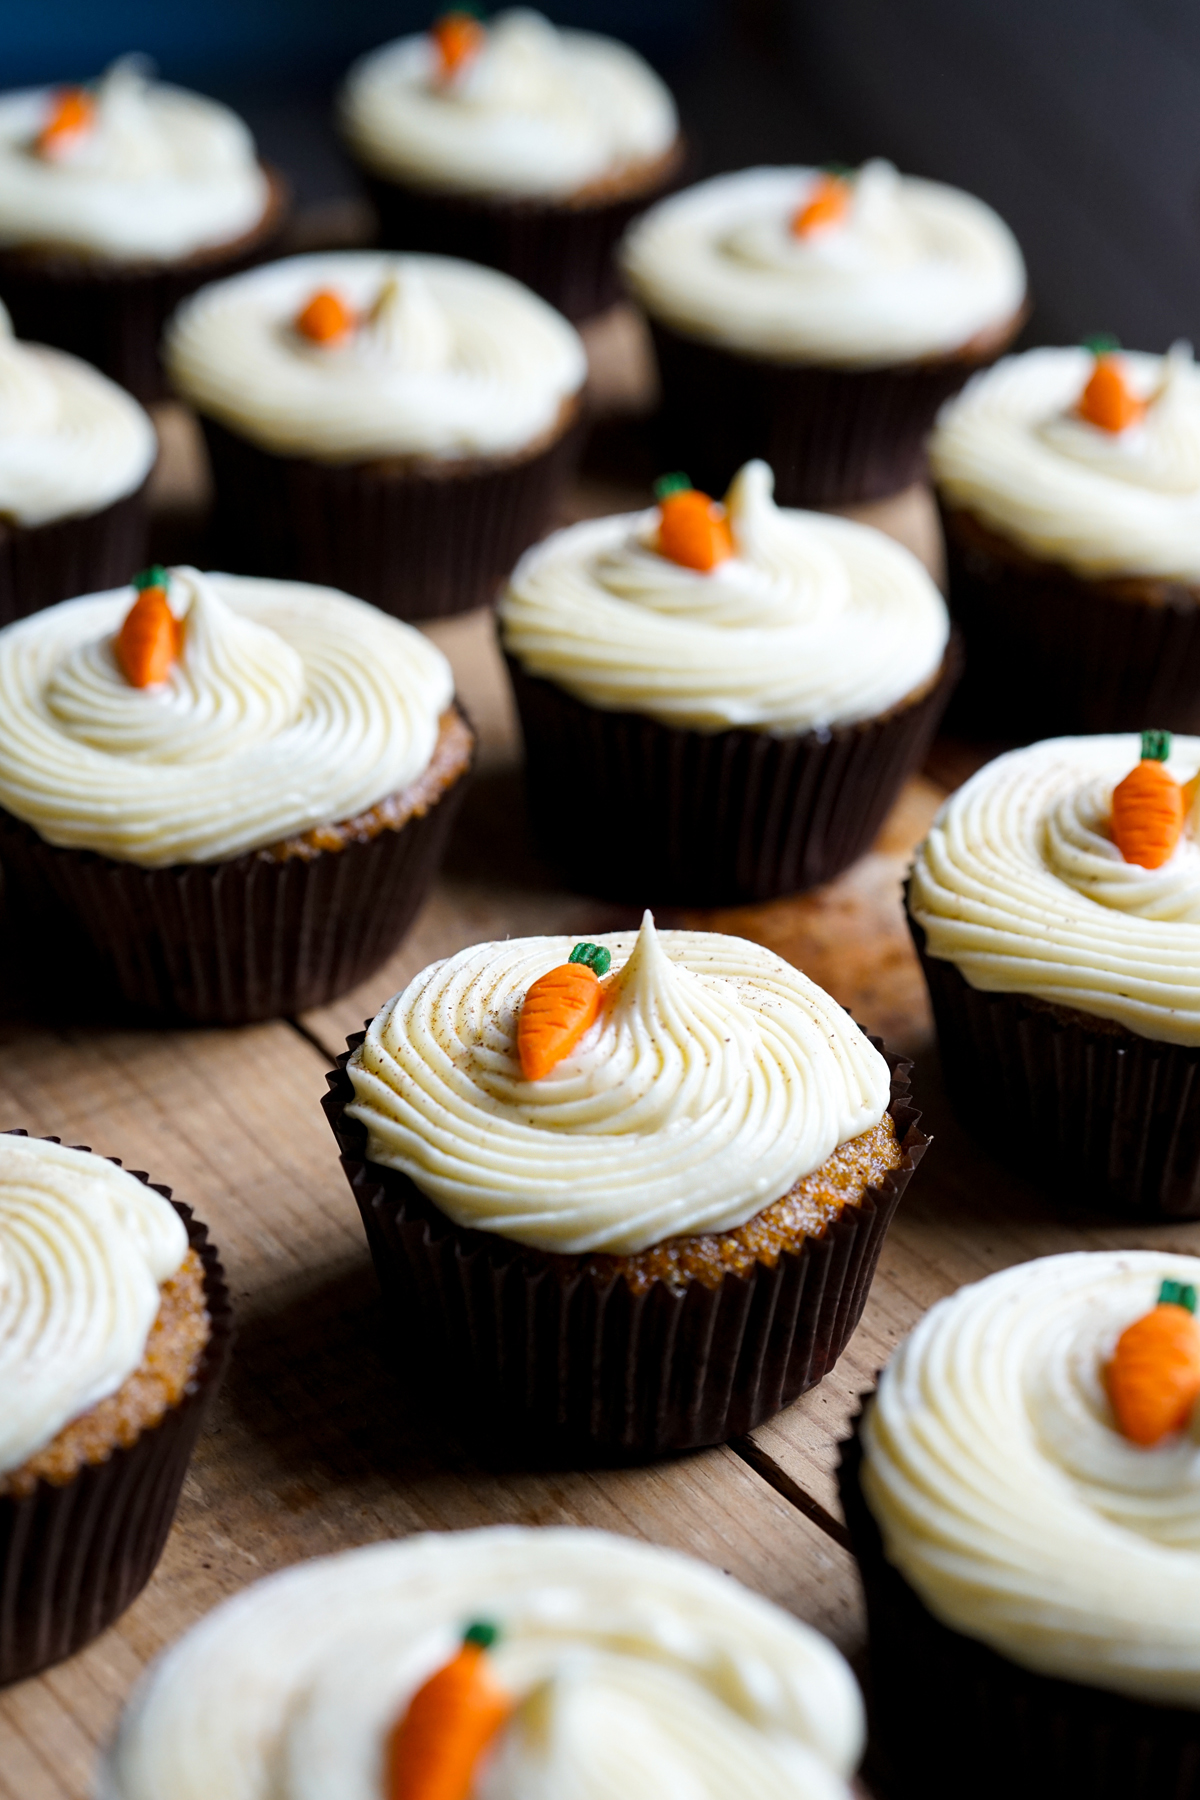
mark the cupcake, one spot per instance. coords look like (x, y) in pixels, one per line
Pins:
(1070, 489)
(115, 201)
(1056, 908)
(114, 1330)
(75, 454)
(400, 426)
(230, 797)
(505, 1661)
(744, 688)
(1023, 1502)
(513, 144)
(820, 320)
(633, 1191)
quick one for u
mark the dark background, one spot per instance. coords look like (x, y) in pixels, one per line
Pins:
(1079, 123)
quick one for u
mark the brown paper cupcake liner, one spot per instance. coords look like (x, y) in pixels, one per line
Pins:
(419, 543)
(112, 314)
(42, 564)
(949, 1716)
(1050, 653)
(1107, 1122)
(231, 942)
(564, 1351)
(72, 1558)
(711, 818)
(832, 436)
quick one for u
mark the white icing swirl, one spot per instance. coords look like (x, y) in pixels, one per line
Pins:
(538, 112)
(288, 707)
(1007, 1497)
(1012, 450)
(71, 441)
(715, 1076)
(457, 360)
(916, 268)
(160, 175)
(639, 1674)
(1020, 886)
(84, 1247)
(814, 622)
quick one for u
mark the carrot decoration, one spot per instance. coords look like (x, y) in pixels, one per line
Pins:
(827, 204)
(692, 529)
(458, 37)
(433, 1751)
(73, 113)
(326, 319)
(1107, 400)
(558, 1009)
(1148, 806)
(1154, 1376)
(149, 640)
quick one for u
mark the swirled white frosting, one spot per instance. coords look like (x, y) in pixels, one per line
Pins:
(638, 1674)
(1008, 1498)
(915, 268)
(289, 706)
(457, 361)
(715, 1076)
(71, 441)
(1020, 886)
(160, 175)
(1012, 451)
(814, 622)
(538, 112)
(84, 1247)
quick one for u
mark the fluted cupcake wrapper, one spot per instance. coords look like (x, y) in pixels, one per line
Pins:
(950, 1716)
(72, 1558)
(231, 942)
(1108, 1122)
(419, 543)
(42, 564)
(564, 1349)
(709, 818)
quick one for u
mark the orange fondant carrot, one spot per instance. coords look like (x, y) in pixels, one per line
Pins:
(458, 37)
(148, 642)
(433, 1751)
(558, 1009)
(692, 528)
(72, 113)
(1148, 806)
(326, 318)
(1107, 400)
(1154, 1376)
(827, 204)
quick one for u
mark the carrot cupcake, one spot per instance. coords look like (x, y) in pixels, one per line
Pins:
(1022, 1497)
(1056, 906)
(399, 426)
(116, 200)
(230, 795)
(819, 320)
(635, 1189)
(515, 144)
(748, 688)
(1070, 490)
(75, 454)
(114, 1329)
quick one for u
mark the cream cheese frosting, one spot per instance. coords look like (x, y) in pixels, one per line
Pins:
(1012, 450)
(84, 1248)
(715, 1076)
(915, 269)
(161, 174)
(1007, 1497)
(813, 622)
(1020, 886)
(71, 441)
(638, 1673)
(288, 707)
(538, 112)
(453, 361)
